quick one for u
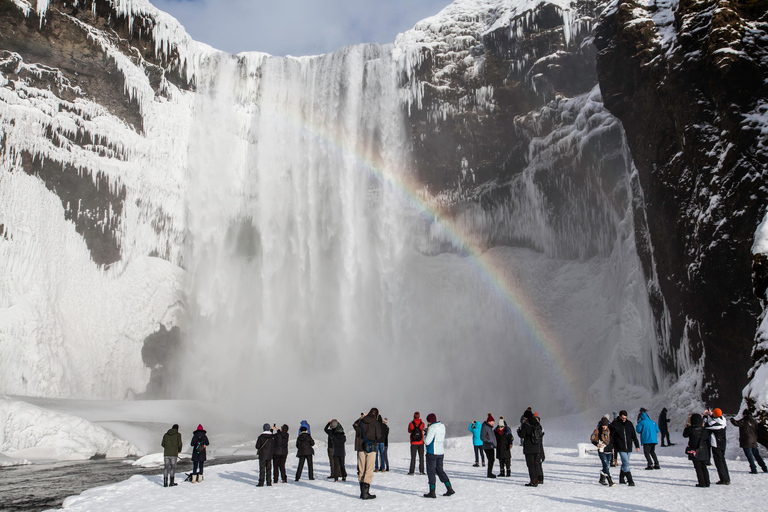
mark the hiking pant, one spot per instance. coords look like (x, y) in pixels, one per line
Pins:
(722, 467)
(417, 448)
(753, 454)
(332, 462)
(278, 462)
(339, 466)
(625, 461)
(491, 459)
(435, 466)
(533, 461)
(605, 459)
(365, 463)
(665, 433)
(702, 474)
(649, 450)
(265, 470)
(381, 450)
(197, 467)
(303, 458)
(169, 467)
(479, 449)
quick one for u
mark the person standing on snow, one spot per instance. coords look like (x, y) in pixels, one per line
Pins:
(504, 443)
(304, 452)
(602, 437)
(715, 424)
(368, 434)
(199, 444)
(649, 437)
(748, 441)
(329, 429)
(416, 432)
(698, 448)
(475, 427)
(171, 449)
(624, 437)
(434, 439)
(664, 427)
(381, 447)
(339, 452)
(265, 448)
(532, 436)
(280, 453)
(489, 443)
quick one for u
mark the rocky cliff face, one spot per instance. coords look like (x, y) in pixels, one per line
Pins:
(688, 81)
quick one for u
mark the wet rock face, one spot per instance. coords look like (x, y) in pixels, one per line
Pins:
(687, 82)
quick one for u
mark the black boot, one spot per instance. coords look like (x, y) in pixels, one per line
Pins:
(629, 479)
(172, 484)
(649, 466)
(368, 495)
(622, 479)
(362, 490)
(602, 478)
(165, 481)
(431, 493)
(610, 481)
(449, 490)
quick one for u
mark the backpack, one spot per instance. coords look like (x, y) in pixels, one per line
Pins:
(200, 446)
(416, 434)
(537, 433)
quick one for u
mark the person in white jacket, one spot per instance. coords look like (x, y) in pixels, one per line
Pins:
(435, 451)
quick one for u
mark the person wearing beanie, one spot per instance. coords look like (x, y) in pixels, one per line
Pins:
(280, 454)
(329, 429)
(748, 441)
(339, 452)
(475, 427)
(624, 436)
(172, 445)
(416, 432)
(504, 443)
(381, 447)
(305, 425)
(532, 435)
(698, 448)
(304, 452)
(489, 443)
(434, 440)
(715, 424)
(265, 447)
(602, 437)
(199, 444)
(367, 435)
(649, 438)
(664, 427)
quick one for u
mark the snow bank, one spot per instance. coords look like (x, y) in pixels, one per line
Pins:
(154, 460)
(30, 432)
(6, 461)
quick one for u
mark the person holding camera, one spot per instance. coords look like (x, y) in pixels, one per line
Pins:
(265, 447)
(435, 452)
(715, 424)
(367, 435)
(698, 448)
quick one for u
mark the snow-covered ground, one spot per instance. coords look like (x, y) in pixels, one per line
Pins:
(570, 484)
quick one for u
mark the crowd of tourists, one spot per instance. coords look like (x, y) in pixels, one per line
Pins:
(615, 436)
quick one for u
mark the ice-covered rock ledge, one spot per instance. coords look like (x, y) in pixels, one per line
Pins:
(30, 433)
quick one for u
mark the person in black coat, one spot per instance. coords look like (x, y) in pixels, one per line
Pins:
(382, 459)
(329, 428)
(265, 448)
(664, 427)
(748, 441)
(698, 448)
(624, 435)
(504, 442)
(199, 443)
(304, 452)
(280, 454)
(532, 434)
(339, 453)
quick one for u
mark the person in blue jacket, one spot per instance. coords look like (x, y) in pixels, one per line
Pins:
(434, 439)
(475, 427)
(649, 438)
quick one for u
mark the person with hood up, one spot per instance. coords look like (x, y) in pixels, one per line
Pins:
(504, 443)
(715, 424)
(664, 427)
(382, 460)
(475, 427)
(434, 440)
(698, 448)
(199, 444)
(367, 434)
(280, 454)
(339, 452)
(532, 435)
(329, 429)
(623, 437)
(171, 444)
(649, 438)
(265, 450)
(748, 441)
(602, 437)
(489, 443)
(416, 432)
(304, 452)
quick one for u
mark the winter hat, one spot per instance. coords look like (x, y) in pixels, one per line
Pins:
(303, 429)
(334, 423)
(604, 422)
(265, 427)
(746, 413)
(490, 418)
(696, 420)
(717, 412)
(527, 414)
(501, 422)
(199, 427)
(431, 418)
(416, 415)
(536, 414)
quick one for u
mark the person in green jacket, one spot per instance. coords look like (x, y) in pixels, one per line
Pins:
(171, 449)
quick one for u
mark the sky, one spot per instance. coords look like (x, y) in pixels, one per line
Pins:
(297, 27)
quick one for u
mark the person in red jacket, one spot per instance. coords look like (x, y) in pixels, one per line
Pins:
(416, 430)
